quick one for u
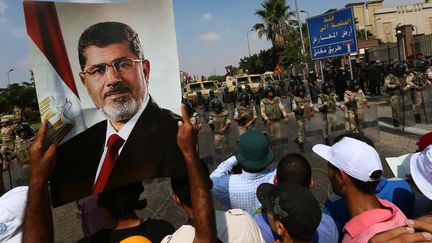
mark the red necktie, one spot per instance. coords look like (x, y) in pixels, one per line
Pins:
(114, 144)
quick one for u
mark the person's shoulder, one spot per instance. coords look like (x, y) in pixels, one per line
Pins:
(185, 233)
(100, 236)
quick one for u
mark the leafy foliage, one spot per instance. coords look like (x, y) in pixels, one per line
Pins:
(277, 24)
(22, 95)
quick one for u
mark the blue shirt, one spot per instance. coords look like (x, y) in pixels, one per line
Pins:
(327, 231)
(238, 190)
(395, 190)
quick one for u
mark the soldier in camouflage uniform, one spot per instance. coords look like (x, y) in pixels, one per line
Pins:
(327, 104)
(219, 123)
(193, 116)
(303, 109)
(23, 143)
(272, 111)
(417, 81)
(355, 100)
(395, 84)
(245, 114)
(8, 139)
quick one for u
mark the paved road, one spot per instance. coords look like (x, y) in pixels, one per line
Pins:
(388, 142)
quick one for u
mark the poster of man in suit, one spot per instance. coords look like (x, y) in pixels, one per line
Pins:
(107, 81)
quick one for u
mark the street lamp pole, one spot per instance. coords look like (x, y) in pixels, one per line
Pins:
(10, 70)
(306, 12)
(247, 38)
(300, 26)
(364, 18)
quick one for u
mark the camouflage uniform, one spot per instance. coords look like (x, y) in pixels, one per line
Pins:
(393, 85)
(358, 100)
(274, 111)
(194, 119)
(218, 121)
(250, 114)
(417, 81)
(22, 146)
(302, 108)
(327, 104)
(8, 141)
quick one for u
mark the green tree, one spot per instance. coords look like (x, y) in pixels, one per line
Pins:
(22, 95)
(277, 24)
(361, 34)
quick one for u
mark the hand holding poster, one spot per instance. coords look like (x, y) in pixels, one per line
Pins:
(101, 70)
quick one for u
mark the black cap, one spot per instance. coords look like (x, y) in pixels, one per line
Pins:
(294, 206)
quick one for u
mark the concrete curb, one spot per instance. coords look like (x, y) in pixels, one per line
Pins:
(412, 130)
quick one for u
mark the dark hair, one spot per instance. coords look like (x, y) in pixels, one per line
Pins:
(106, 33)
(123, 201)
(370, 186)
(357, 136)
(294, 168)
(181, 187)
(364, 187)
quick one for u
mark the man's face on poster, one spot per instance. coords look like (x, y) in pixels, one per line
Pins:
(116, 79)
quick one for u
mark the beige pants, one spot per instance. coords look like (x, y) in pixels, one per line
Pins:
(329, 120)
(418, 102)
(220, 141)
(275, 130)
(394, 103)
(351, 124)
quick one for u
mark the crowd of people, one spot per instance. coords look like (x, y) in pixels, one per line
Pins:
(260, 203)
(17, 137)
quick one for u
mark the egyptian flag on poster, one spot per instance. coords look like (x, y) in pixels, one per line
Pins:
(56, 87)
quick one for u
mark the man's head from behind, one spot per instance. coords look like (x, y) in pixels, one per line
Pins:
(352, 165)
(113, 69)
(123, 201)
(296, 169)
(293, 211)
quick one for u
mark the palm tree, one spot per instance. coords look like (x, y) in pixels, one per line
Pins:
(277, 24)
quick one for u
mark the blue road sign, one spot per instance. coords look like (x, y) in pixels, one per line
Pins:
(332, 34)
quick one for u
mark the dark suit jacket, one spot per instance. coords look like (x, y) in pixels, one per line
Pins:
(150, 151)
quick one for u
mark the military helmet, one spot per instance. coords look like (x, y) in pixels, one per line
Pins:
(325, 86)
(243, 97)
(400, 68)
(300, 88)
(24, 128)
(211, 92)
(215, 103)
(7, 118)
(269, 89)
(354, 83)
(420, 65)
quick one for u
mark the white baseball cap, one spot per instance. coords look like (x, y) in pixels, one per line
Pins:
(352, 156)
(421, 170)
(236, 225)
(12, 206)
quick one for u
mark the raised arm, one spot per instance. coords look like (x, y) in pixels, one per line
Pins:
(202, 204)
(38, 225)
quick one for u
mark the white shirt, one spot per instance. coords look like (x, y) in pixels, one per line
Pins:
(124, 133)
